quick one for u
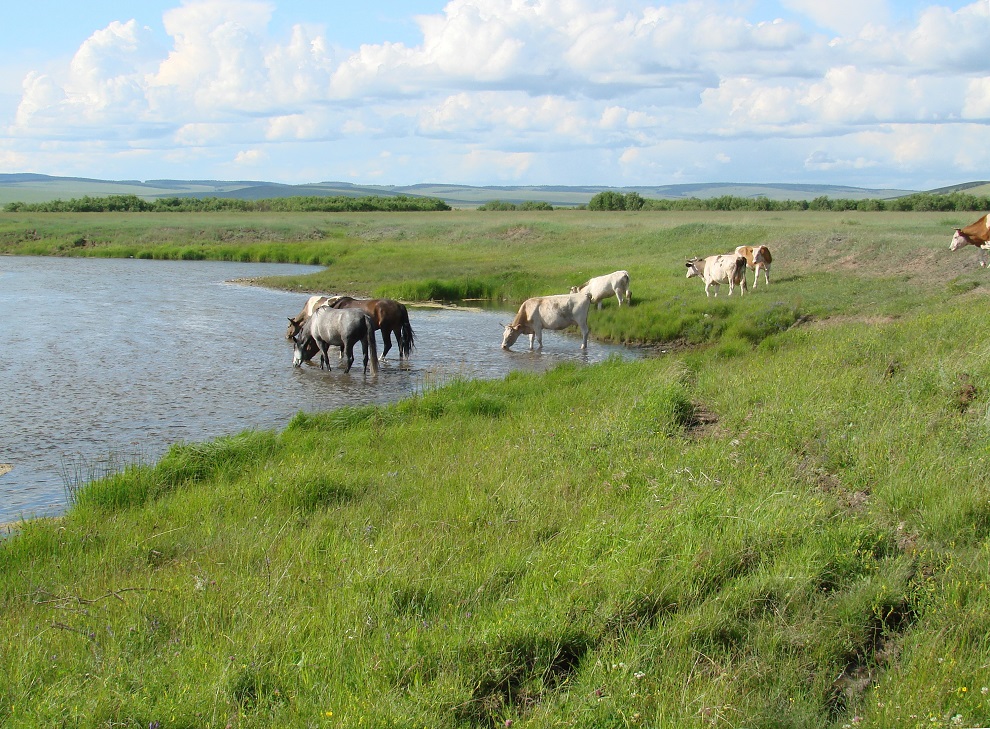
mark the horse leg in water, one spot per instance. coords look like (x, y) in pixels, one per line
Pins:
(350, 355)
(386, 339)
(364, 349)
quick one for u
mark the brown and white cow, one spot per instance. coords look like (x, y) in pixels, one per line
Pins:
(975, 234)
(548, 312)
(601, 287)
(757, 258)
(726, 268)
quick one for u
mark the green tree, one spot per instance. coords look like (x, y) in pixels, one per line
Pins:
(608, 200)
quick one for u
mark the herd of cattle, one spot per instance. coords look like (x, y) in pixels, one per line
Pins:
(342, 321)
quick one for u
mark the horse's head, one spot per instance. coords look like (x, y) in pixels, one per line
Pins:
(293, 329)
(509, 335)
(303, 349)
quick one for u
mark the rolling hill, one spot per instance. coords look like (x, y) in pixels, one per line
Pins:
(31, 188)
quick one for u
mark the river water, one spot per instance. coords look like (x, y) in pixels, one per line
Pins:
(105, 362)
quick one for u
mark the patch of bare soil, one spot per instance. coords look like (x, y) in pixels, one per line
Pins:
(966, 393)
(830, 321)
(701, 423)
(518, 232)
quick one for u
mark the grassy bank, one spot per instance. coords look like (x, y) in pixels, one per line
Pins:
(782, 529)
(848, 263)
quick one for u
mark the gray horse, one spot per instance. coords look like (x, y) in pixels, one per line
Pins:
(342, 328)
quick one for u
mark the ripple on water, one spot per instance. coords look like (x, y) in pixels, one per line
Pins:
(141, 354)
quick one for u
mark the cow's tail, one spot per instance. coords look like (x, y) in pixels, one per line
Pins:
(407, 339)
(740, 272)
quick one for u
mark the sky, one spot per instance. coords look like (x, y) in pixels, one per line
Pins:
(883, 94)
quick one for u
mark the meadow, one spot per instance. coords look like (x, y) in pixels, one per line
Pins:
(782, 519)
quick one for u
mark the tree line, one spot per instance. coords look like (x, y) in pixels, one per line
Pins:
(606, 200)
(917, 202)
(313, 203)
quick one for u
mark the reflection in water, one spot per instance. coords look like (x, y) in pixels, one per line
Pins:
(107, 362)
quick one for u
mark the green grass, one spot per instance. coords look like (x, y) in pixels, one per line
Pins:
(787, 526)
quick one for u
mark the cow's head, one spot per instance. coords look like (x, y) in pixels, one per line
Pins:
(575, 289)
(509, 335)
(959, 239)
(692, 267)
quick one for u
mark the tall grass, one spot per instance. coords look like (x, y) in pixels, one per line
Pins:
(789, 533)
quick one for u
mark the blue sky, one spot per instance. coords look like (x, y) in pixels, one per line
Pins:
(874, 93)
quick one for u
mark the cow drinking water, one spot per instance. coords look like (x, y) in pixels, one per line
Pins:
(548, 312)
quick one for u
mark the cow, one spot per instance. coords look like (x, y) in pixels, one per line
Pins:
(296, 322)
(727, 268)
(548, 312)
(602, 287)
(975, 234)
(757, 258)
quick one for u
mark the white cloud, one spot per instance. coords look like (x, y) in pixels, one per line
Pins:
(845, 16)
(977, 99)
(250, 157)
(529, 87)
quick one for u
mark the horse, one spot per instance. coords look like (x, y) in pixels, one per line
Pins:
(343, 328)
(388, 315)
(296, 322)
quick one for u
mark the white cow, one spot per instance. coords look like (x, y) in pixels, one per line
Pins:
(728, 268)
(548, 312)
(757, 258)
(602, 287)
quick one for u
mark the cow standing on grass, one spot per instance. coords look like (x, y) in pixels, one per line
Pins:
(728, 268)
(601, 287)
(548, 312)
(975, 234)
(757, 258)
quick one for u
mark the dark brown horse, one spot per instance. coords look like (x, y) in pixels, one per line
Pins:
(388, 315)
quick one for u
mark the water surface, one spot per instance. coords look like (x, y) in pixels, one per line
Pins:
(109, 361)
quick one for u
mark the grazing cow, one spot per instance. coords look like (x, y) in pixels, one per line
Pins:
(548, 312)
(728, 268)
(602, 287)
(296, 322)
(757, 257)
(976, 234)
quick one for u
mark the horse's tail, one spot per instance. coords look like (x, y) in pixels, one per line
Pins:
(372, 345)
(407, 339)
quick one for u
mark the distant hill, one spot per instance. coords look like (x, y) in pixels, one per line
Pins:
(32, 188)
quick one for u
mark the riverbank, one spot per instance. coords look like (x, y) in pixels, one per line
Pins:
(755, 531)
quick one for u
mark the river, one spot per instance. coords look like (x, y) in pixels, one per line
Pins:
(105, 362)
